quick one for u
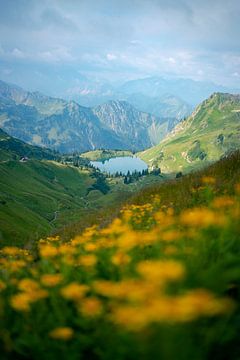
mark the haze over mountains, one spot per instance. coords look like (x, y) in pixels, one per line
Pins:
(155, 89)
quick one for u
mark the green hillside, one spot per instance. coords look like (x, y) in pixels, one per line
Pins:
(161, 281)
(13, 149)
(31, 194)
(212, 130)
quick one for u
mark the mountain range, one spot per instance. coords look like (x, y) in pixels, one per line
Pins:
(153, 94)
(212, 131)
(67, 126)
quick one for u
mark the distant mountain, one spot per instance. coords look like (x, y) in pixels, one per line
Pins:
(138, 129)
(14, 149)
(211, 131)
(190, 91)
(164, 106)
(162, 97)
(67, 126)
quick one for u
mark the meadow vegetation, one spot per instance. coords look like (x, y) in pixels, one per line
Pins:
(159, 281)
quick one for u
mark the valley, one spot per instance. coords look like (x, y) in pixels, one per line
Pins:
(43, 190)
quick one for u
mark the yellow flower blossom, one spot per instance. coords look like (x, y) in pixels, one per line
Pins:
(120, 258)
(66, 249)
(90, 247)
(28, 285)
(11, 250)
(223, 201)
(91, 306)
(74, 291)
(201, 217)
(16, 265)
(21, 302)
(87, 260)
(53, 238)
(51, 279)
(157, 270)
(48, 251)
(62, 333)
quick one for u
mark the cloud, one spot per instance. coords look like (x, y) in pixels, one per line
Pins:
(197, 38)
(111, 57)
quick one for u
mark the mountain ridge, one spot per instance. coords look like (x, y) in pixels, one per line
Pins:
(212, 130)
(68, 126)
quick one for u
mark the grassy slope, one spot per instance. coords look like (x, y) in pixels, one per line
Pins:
(179, 192)
(12, 148)
(219, 115)
(32, 192)
(147, 308)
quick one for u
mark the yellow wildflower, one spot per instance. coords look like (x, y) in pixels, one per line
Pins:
(51, 279)
(157, 270)
(62, 333)
(223, 201)
(91, 306)
(132, 317)
(198, 303)
(11, 250)
(48, 251)
(66, 249)
(128, 240)
(90, 247)
(120, 258)
(21, 302)
(28, 285)
(53, 238)
(201, 217)
(87, 260)
(16, 265)
(74, 291)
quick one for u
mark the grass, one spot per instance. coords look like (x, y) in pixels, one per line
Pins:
(214, 117)
(31, 192)
(160, 281)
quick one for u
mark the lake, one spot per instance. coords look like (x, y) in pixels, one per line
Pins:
(120, 164)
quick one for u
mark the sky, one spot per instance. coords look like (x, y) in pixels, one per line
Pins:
(52, 44)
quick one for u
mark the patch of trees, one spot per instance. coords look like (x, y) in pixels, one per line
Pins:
(75, 160)
(131, 178)
(100, 183)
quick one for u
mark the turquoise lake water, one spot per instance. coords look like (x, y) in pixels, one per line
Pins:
(120, 164)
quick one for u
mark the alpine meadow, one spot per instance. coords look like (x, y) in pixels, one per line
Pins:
(119, 180)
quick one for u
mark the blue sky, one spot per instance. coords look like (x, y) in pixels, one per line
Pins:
(54, 43)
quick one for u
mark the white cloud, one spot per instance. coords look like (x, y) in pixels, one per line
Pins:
(18, 53)
(111, 57)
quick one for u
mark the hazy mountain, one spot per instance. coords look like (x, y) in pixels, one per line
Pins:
(211, 131)
(190, 91)
(163, 97)
(67, 126)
